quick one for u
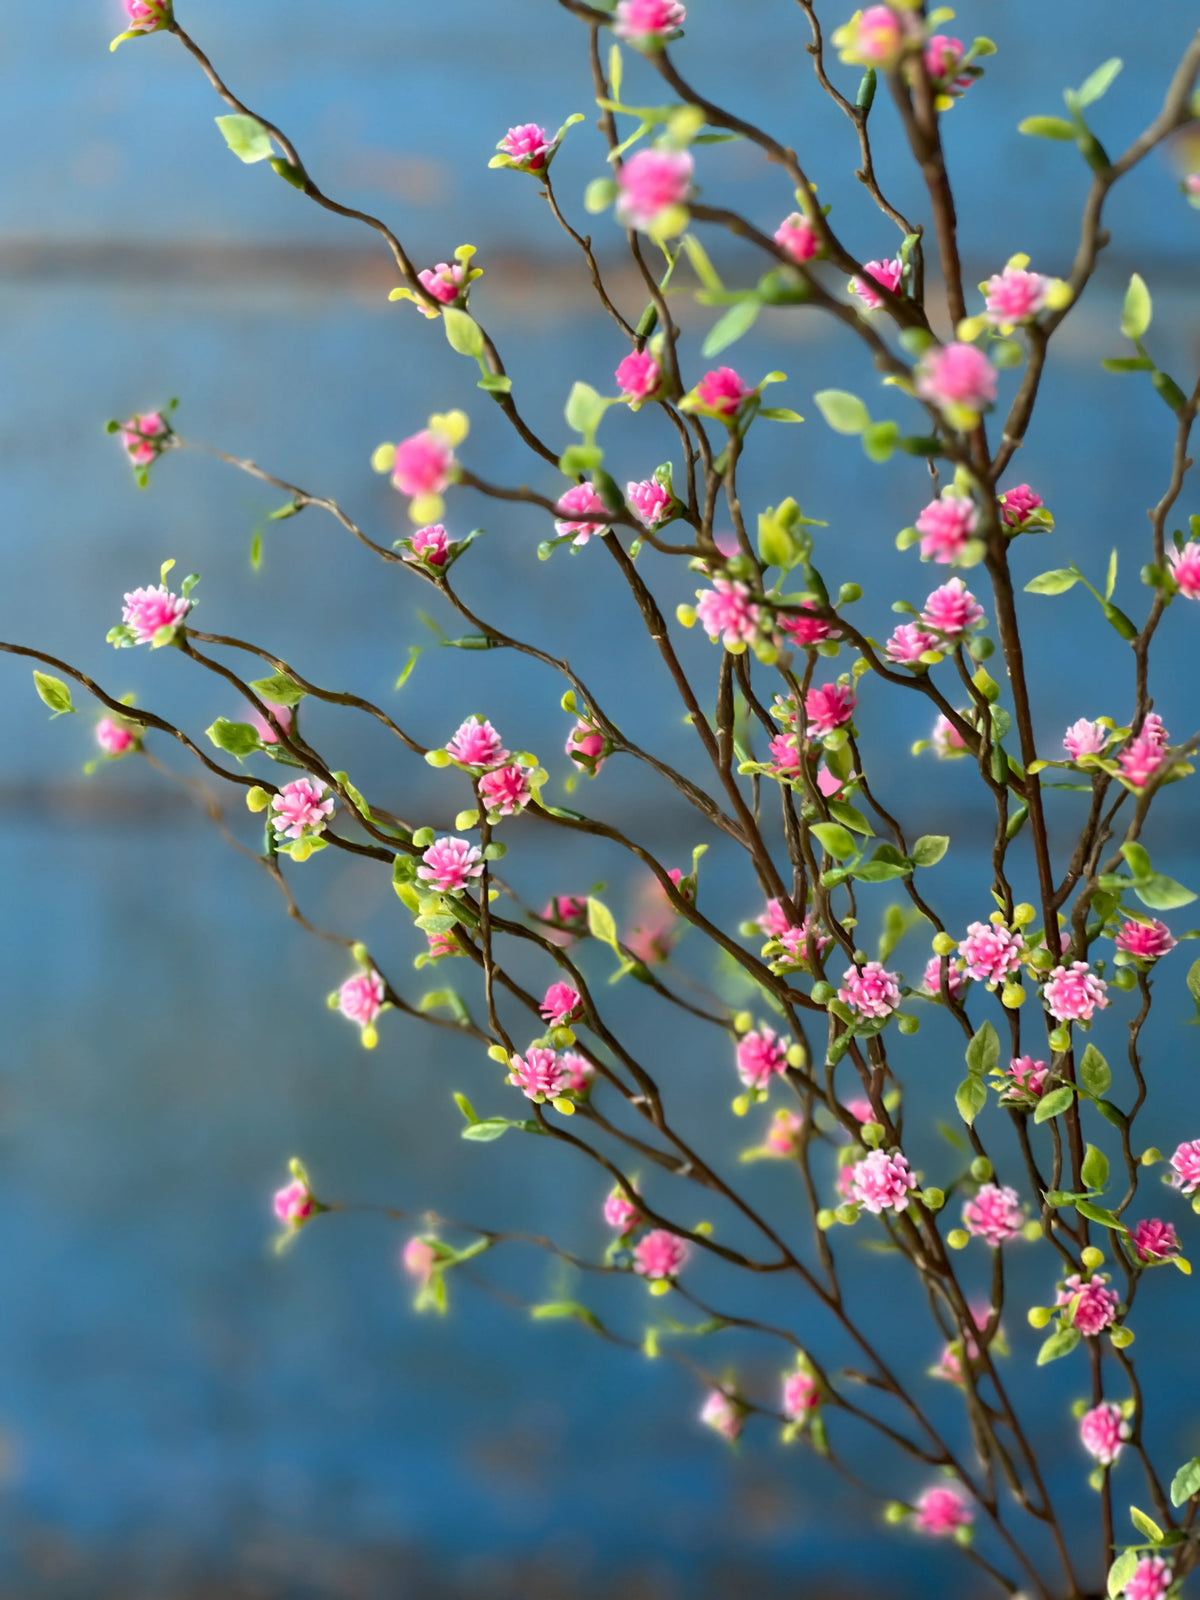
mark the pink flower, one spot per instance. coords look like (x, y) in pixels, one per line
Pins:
(1103, 1432)
(450, 864)
(1093, 1307)
(300, 809)
(294, 1204)
(1013, 296)
(828, 707)
(946, 740)
(860, 1110)
(419, 1259)
(1155, 1240)
(539, 1074)
(583, 498)
(587, 746)
(871, 991)
(430, 544)
(805, 628)
(648, 501)
(773, 920)
(660, 1254)
(932, 980)
(726, 612)
(785, 756)
(783, 1135)
(639, 376)
(800, 1394)
(1186, 1163)
(1185, 569)
(650, 182)
(146, 16)
(829, 784)
(1075, 993)
(1018, 504)
(147, 610)
(950, 1366)
(361, 998)
(882, 1181)
(1153, 730)
(887, 273)
(909, 642)
(872, 38)
(561, 1005)
(1028, 1081)
(568, 914)
(994, 1214)
(1084, 738)
(647, 24)
(528, 145)
(942, 1511)
(144, 437)
(505, 790)
(945, 525)
(797, 237)
(444, 282)
(724, 1413)
(795, 941)
(956, 377)
(1192, 183)
(442, 944)
(760, 1056)
(992, 953)
(943, 56)
(1151, 1580)
(115, 738)
(1141, 758)
(722, 391)
(424, 464)
(579, 1070)
(477, 744)
(1147, 940)
(264, 730)
(952, 609)
(621, 1213)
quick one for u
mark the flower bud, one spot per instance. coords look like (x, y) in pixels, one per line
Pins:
(933, 1199)
(1012, 996)
(1092, 1258)
(981, 1169)
(743, 1022)
(895, 1512)
(907, 1023)
(847, 1214)
(1122, 1338)
(944, 945)
(871, 1134)
(1039, 1316)
(1023, 914)
(825, 1220)
(958, 1238)
(257, 799)
(1149, 1157)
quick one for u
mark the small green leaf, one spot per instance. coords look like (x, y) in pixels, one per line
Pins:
(1048, 128)
(584, 410)
(485, 1131)
(235, 738)
(1051, 1105)
(1186, 1482)
(1056, 582)
(837, 840)
(1094, 1073)
(1145, 1525)
(970, 1097)
(1137, 310)
(279, 689)
(54, 693)
(1119, 1574)
(1127, 364)
(565, 1308)
(1193, 981)
(1138, 859)
(463, 333)
(1099, 82)
(601, 923)
(495, 383)
(879, 440)
(1060, 1343)
(246, 137)
(1095, 1168)
(845, 413)
(738, 320)
(779, 414)
(983, 1052)
(930, 848)
(1100, 1214)
(851, 817)
(1161, 893)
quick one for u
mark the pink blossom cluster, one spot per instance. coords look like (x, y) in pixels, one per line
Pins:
(301, 809)
(539, 1074)
(1147, 941)
(1103, 1431)
(953, 610)
(527, 146)
(651, 182)
(946, 740)
(115, 737)
(147, 610)
(942, 1511)
(882, 1181)
(449, 864)
(1151, 1580)
(889, 274)
(1014, 296)
(726, 612)
(994, 1214)
(581, 502)
(1185, 1165)
(639, 376)
(294, 1203)
(721, 392)
(580, 1072)
(723, 1413)
(361, 998)
(1091, 1306)
(283, 716)
(620, 1212)
(505, 791)
(1018, 504)
(945, 525)
(477, 744)
(147, 15)
(561, 1004)
(1185, 569)
(805, 627)
(424, 464)
(909, 642)
(797, 238)
(587, 746)
(1028, 1081)
(1074, 993)
(660, 1255)
(955, 978)
(1084, 738)
(145, 437)
(827, 707)
(943, 57)
(648, 24)
(958, 379)
(991, 952)
(801, 1394)
(649, 502)
(783, 1134)
(760, 1057)
(444, 282)
(419, 1259)
(1145, 753)
(873, 37)
(430, 544)
(795, 942)
(870, 990)
(567, 914)
(1154, 1240)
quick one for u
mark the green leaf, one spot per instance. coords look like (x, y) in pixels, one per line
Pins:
(1060, 1343)
(1186, 1482)
(565, 1308)
(1127, 364)
(970, 1097)
(580, 458)
(1052, 1104)
(486, 1131)
(1099, 82)
(851, 817)
(1048, 128)
(413, 652)
(1100, 1214)
(246, 137)
(1167, 389)
(235, 738)
(448, 1000)
(738, 320)
(1056, 582)
(879, 440)
(54, 693)
(599, 195)
(1137, 310)
(880, 871)
(601, 923)
(463, 333)
(279, 689)
(1095, 1168)
(495, 383)
(1161, 893)
(1117, 619)
(779, 414)
(1094, 1073)
(1119, 1574)
(1138, 860)
(930, 848)
(1193, 981)
(1145, 1525)
(837, 840)
(584, 409)
(983, 1052)
(845, 413)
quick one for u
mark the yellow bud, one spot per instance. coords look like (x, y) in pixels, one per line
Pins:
(795, 1055)
(1092, 1258)
(825, 1220)
(383, 459)
(943, 945)
(1012, 996)
(958, 1239)
(743, 1022)
(1039, 1316)
(705, 1228)
(686, 616)
(453, 426)
(498, 1053)
(426, 508)
(1122, 1338)
(564, 1107)
(1023, 915)
(660, 1286)
(369, 1038)
(257, 799)
(741, 1105)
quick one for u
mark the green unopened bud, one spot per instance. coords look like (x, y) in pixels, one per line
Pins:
(823, 993)
(1092, 1258)
(1012, 996)
(895, 1512)
(1122, 1338)
(933, 1199)
(361, 954)
(1124, 978)
(437, 758)
(686, 616)
(1039, 1316)
(1032, 1231)
(848, 594)
(795, 1055)
(1096, 1479)
(1149, 1157)
(943, 945)
(958, 1238)
(981, 1169)
(1023, 914)
(257, 799)
(743, 1022)
(907, 1023)
(825, 1220)
(1079, 1409)
(847, 1214)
